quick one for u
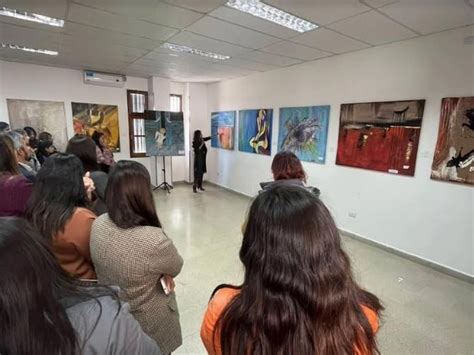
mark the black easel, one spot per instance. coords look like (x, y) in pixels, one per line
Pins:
(164, 185)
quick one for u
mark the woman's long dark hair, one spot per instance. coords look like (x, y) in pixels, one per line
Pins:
(84, 148)
(57, 192)
(96, 139)
(286, 165)
(128, 196)
(298, 295)
(197, 136)
(35, 294)
(8, 162)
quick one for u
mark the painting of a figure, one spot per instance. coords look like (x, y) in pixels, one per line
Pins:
(454, 154)
(222, 129)
(43, 116)
(255, 131)
(164, 133)
(88, 118)
(381, 136)
(303, 131)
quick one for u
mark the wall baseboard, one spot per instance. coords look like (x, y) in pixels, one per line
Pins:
(412, 257)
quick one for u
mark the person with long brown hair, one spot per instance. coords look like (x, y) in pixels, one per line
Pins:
(299, 295)
(130, 250)
(15, 189)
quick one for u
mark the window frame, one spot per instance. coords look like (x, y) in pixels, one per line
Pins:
(180, 101)
(133, 116)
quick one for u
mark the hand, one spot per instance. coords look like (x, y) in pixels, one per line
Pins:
(169, 282)
(88, 185)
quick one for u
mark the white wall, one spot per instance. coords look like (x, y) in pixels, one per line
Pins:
(433, 220)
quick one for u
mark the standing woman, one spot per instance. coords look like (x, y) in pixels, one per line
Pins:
(105, 157)
(130, 250)
(58, 209)
(200, 152)
(15, 189)
(299, 295)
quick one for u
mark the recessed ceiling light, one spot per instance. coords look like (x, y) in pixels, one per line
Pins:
(23, 15)
(184, 49)
(27, 49)
(272, 14)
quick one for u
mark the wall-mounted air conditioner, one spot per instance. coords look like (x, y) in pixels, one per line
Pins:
(104, 79)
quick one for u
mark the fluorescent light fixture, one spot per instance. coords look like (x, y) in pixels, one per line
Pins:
(189, 50)
(23, 15)
(270, 13)
(27, 49)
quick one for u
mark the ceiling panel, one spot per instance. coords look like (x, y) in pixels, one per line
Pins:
(207, 44)
(246, 64)
(294, 50)
(321, 12)
(51, 8)
(241, 18)
(88, 33)
(221, 30)
(378, 3)
(268, 58)
(29, 37)
(428, 16)
(102, 19)
(150, 10)
(329, 41)
(203, 6)
(373, 28)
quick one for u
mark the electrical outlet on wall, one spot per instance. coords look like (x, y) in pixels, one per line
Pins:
(352, 214)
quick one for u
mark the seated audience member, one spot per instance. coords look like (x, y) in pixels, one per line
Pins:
(84, 148)
(58, 210)
(23, 155)
(4, 127)
(15, 189)
(130, 250)
(298, 295)
(33, 143)
(105, 157)
(47, 312)
(288, 170)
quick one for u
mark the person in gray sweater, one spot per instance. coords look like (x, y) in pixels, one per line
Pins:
(45, 311)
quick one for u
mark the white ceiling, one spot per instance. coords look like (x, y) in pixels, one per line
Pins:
(124, 36)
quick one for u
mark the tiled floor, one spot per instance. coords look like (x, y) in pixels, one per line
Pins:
(427, 312)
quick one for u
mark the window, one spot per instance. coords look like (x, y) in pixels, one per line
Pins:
(137, 104)
(176, 103)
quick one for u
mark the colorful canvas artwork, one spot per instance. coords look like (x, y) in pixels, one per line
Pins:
(164, 133)
(454, 155)
(43, 116)
(381, 136)
(255, 131)
(88, 118)
(304, 131)
(222, 129)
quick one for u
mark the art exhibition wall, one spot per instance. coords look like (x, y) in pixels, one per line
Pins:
(430, 219)
(34, 82)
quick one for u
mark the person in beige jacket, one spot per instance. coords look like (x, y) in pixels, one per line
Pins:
(130, 250)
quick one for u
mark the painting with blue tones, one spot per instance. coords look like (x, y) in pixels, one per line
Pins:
(164, 133)
(222, 129)
(255, 131)
(304, 131)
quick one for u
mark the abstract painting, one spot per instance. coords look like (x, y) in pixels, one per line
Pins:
(303, 131)
(454, 155)
(43, 116)
(381, 136)
(164, 133)
(255, 131)
(222, 129)
(88, 118)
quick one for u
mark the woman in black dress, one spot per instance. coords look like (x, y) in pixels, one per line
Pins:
(200, 152)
